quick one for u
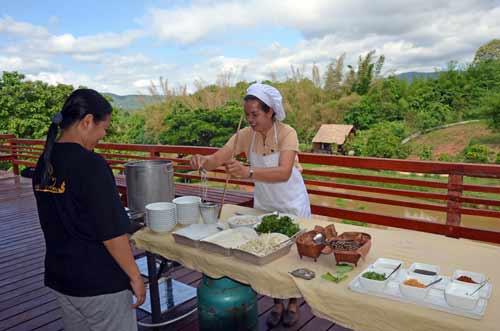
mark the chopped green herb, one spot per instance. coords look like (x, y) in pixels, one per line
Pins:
(273, 223)
(374, 275)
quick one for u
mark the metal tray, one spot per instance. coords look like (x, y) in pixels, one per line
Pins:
(212, 247)
(186, 241)
(191, 235)
(261, 260)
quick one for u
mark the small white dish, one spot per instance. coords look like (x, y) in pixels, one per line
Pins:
(425, 272)
(457, 295)
(371, 284)
(388, 265)
(413, 292)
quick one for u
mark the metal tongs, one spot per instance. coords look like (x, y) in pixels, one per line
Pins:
(319, 239)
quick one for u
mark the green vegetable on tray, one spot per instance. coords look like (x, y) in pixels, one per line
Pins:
(374, 275)
(336, 278)
(274, 223)
(342, 269)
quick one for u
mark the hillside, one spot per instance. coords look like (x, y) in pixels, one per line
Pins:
(132, 102)
(453, 140)
(412, 75)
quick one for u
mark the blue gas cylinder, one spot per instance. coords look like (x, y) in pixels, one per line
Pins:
(224, 304)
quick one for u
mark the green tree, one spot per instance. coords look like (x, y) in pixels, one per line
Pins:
(27, 106)
(382, 140)
(491, 109)
(476, 154)
(201, 127)
(489, 51)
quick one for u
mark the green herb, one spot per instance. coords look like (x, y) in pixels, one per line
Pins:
(273, 223)
(374, 275)
(336, 278)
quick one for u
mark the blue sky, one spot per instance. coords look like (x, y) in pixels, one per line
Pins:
(123, 46)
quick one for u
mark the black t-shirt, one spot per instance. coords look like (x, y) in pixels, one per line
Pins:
(78, 211)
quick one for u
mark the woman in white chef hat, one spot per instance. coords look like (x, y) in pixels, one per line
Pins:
(271, 148)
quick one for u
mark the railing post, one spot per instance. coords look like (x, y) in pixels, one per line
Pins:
(453, 214)
(154, 154)
(13, 152)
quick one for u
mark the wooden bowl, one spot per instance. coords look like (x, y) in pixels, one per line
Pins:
(306, 246)
(353, 256)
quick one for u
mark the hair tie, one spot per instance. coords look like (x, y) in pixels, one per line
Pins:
(57, 118)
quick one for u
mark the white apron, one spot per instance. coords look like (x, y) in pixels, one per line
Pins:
(286, 197)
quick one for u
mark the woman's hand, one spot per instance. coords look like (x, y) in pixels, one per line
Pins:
(197, 161)
(237, 169)
(139, 290)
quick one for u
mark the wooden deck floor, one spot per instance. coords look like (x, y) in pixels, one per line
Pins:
(26, 304)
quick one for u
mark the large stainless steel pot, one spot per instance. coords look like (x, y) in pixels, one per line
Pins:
(149, 181)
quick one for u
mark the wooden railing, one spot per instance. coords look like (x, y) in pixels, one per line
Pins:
(452, 197)
(5, 150)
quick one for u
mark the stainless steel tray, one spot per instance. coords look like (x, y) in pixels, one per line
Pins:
(261, 260)
(212, 247)
(186, 241)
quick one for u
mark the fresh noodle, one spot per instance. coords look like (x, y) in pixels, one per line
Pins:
(204, 184)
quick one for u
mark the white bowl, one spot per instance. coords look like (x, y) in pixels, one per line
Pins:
(477, 277)
(242, 221)
(456, 296)
(423, 266)
(413, 292)
(188, 211)
(388, 265)
(161, 216)
(187, 199)
(160, 206)
(371, 284)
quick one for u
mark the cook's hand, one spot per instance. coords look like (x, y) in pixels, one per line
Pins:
(237, 169)
(197, 161)
(139, 291)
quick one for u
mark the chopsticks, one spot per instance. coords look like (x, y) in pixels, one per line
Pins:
(228, 176)
(479, 287)
(396, 269)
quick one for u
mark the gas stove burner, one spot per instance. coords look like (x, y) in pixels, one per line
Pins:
(136, 220)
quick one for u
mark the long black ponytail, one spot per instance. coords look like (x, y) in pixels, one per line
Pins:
(80, 103)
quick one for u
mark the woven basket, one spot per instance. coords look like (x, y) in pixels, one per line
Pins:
(354, 255)
(310, 250)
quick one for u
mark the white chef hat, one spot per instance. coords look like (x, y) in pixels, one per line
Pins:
(270, 96)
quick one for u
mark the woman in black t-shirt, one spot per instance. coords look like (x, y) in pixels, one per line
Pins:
(88, 262)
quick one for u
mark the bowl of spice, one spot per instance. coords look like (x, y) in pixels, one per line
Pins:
(425, 272)
(414, 288)
(468, 278)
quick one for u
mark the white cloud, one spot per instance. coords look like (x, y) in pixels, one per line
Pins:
(9, 26)
(313, 18)
(38, 39)
(67, 43)
(25, 64)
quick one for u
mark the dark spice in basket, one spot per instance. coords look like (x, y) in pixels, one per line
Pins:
(345, 245)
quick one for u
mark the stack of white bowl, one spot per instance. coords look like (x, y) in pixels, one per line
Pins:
(161, 216)
(188, 210)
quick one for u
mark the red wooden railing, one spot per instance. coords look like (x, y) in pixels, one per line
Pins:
(446, 197)
(5, 151)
